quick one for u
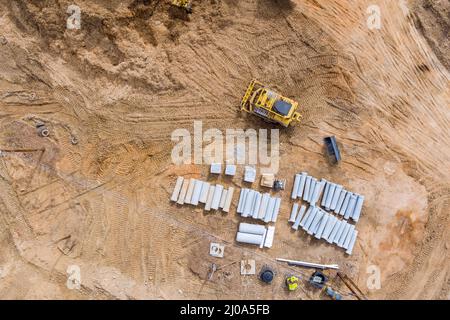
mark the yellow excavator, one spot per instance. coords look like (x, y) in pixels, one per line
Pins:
(269, 105)
(185, 4)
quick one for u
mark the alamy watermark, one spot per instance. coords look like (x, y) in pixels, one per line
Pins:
(234, 146)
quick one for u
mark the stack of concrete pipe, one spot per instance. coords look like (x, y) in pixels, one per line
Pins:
(195, 192)
(335, 198)
(258, 206)
(342, 202)
(255, 234)
(319, 223)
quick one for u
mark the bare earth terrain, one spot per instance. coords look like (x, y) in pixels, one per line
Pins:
(95, 192)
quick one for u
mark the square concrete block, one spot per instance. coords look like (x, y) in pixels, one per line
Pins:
(249, 174)
(230, 170)
(216, 168)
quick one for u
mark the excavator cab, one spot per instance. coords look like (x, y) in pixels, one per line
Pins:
(269, 105)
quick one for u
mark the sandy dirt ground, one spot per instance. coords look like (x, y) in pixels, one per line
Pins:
(95, 192)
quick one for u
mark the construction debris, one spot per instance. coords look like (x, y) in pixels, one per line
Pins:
(308, 264)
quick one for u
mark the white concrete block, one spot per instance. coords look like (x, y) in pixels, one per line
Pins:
(216, 168)
(177, 189)
(230, 192)
(230, 169)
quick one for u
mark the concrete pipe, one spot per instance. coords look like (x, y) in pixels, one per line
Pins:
(306, 217)
(252, 228)
(335, 199)
(301, 187)
(340, 201)
(296, 186)
(177, 189)
(322, 225)
(325, 194)
(263, 207)
(276, 209)
(351, 207)
(249, 238)
(307, 185)
(256, 205)
(330, 196)
(345, 204)
(358, 208)
(294, 212)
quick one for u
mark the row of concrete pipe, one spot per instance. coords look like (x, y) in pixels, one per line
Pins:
(255, 205)
(335, 197)
(193, 191)
(322, 225)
